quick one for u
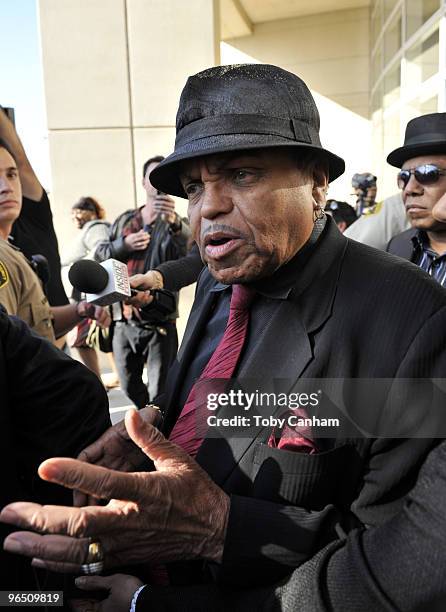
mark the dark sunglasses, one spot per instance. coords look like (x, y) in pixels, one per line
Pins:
(428, 174)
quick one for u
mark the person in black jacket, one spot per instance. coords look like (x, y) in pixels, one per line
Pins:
(50, 404)
(144, 238)
(422, 179)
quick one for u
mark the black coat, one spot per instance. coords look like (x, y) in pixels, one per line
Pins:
(402, 244)
(400, 565)
(51, 406)
(354, 312)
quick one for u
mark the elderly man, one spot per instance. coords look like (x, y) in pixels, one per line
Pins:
(285, 299)
(422, 179)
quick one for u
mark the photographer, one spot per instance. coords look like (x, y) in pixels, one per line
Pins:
(377, 222)
(364, 187)
(144, 238)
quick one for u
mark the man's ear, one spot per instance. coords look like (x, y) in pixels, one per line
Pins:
(320, 184)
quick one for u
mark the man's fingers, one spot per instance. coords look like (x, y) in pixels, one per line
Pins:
(92, 583)
(137, 281)
(151, 415)
(48, 547)
(92, 453)
(56, 566)
(75, 522)
(79, 499)
(152, 442)
(95, 480)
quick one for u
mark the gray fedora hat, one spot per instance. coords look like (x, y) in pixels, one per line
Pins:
(246, 106)
(425, 135)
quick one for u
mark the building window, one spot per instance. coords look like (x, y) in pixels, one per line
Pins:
(392, 86)
(408, 73)
(392, 38)
(418, 12)
(389, 5)
(422, 60)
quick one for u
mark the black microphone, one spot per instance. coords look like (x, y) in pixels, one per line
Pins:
(88, 276)
(104, 284)
(41, 267)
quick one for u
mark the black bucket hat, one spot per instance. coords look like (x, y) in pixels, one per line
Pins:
(425, 135)
(246, 106)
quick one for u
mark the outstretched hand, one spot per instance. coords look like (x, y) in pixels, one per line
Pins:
(116, 450)
(175, 513)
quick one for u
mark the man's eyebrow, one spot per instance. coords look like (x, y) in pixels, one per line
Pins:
(228, 158)
(184, 176)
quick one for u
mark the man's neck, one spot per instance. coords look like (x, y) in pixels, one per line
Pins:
(5, 231)
(437, 241)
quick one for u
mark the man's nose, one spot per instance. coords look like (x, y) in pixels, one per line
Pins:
(216, 200)
(5, 185)
(413, 187)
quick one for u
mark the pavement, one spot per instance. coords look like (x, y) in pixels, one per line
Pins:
(118, 401)
(119, 404)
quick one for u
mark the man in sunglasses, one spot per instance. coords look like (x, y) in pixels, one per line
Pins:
(422, 179)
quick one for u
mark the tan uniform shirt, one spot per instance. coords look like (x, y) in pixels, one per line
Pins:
(21, 292)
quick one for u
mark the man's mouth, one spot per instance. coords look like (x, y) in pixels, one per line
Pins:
(219, 244)
(411, 210)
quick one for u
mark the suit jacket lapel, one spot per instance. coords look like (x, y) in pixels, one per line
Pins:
(197, 321)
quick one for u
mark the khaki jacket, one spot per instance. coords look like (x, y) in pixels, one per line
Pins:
(21, 292)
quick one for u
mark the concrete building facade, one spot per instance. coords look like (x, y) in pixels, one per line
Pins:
(114, 69)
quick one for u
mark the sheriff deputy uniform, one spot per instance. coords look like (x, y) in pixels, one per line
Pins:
(21, 292)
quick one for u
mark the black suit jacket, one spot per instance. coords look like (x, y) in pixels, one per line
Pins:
(51, 406)
(354, 312)
(399, 565)
(402, 244)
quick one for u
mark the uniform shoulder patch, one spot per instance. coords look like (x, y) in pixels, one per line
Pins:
(4, 276)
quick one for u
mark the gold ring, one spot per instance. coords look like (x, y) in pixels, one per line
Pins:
(95, 552)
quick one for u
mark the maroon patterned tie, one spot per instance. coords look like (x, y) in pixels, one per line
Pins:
(221, 365)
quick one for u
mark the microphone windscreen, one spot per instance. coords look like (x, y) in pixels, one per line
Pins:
(88, 276)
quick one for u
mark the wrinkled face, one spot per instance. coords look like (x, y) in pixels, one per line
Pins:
(10, 190)
(80, 217)
(150, 190)
(250, 212)
(419, 200)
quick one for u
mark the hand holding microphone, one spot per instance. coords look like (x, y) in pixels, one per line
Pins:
(107, 283)
(104, 284)
(97, 313)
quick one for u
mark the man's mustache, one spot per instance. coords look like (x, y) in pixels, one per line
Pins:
(219, 227)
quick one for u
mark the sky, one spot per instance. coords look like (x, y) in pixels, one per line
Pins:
(21, 80)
